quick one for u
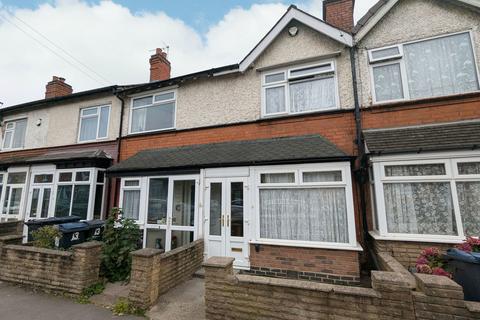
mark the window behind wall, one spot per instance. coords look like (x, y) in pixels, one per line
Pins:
(154, 112)
(300, 89)
(14, 134)
(94, 123)
(429, 68)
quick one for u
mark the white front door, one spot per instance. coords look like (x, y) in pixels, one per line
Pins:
(226, 209)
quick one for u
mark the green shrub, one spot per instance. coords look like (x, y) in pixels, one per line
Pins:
(45, 237)
(124, 306)
(87, 293)
(121, 236)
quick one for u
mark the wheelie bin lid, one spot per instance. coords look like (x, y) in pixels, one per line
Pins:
(73, 227)
(95, 223)
(471, 257)
(52, 220)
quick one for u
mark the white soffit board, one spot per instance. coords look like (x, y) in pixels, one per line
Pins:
(310, 21)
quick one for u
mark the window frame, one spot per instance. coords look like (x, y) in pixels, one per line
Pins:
(24, 193)
(346, 183)
(14, 122)
(153, 94)
(98, 114)
(450, 160)
(288, 79)
(401, 60)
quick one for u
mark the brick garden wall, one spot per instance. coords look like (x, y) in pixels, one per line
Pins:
(62, 271)
(329, 266)
(392, 296)
(11, 228)
(154, 272)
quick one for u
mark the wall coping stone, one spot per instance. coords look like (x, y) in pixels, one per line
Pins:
(16, 247)
(308, 285)
(218, 262)
(433, 281)
(397, 279)
(147, 252)
(10, 237)
(396, 266)
(180, 249)
(473, 306)
(88, 245)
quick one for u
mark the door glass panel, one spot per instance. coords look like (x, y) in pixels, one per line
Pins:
(236, 207)
(157, 201)
(131, 204)
(97, 207)
(5, 202)
(62, 204)
(17, 177)
(81, 194)
(183, 203)
(15, 201)
(34, 204)
(45, 202)
(181, 238)
(215, 209)
(156, 239)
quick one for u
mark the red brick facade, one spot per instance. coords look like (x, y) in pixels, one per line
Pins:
(339, 13)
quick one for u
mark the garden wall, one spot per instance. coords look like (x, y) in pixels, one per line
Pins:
(8, 228)
(154, 272)
(393, 296)
(62, 271)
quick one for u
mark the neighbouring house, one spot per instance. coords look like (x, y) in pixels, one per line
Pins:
(55, 151)
(419, 91)
(256, 158)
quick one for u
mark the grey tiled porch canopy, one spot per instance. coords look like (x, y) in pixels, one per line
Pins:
(440, 137)
(311, 148)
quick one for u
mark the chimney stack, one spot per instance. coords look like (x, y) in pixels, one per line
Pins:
(57, 88)
(339, 13)
(159, 66)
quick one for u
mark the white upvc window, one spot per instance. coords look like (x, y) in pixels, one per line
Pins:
(14, 134)
(432, 67)
(13, 195)
(300, 89)
(79, 192)
(154, 112)
(165, 207)
(305, 205)
(94, 122)
(432, 199)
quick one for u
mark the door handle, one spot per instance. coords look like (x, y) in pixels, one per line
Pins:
(222, 218)
(228, 221)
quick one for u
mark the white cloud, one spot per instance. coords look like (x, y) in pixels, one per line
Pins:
(112, 40)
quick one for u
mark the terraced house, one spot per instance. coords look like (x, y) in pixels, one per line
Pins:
(326, 141)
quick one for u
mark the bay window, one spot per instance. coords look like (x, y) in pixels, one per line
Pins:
(153, 112)
(300, 89)
(306, 205)
(428, 199)
(94, 123)
(422, 69)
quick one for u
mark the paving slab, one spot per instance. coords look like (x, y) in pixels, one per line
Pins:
(184, 302)
(20, 303)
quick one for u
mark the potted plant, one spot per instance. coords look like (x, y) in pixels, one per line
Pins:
(464, 261)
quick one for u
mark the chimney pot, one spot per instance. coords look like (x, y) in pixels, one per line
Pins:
(57, 88)
(339, 13)
(159, 66)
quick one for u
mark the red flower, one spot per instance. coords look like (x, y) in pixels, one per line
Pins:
(424, 268)
(441, 272)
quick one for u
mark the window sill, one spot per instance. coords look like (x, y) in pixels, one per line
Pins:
(299, 114)
(347, 247)
(451, 240)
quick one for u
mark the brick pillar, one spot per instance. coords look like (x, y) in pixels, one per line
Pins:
(217, 272)
(86, 262)
(144, 277)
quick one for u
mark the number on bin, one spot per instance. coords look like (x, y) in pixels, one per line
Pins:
(75, 236)
(97, 232)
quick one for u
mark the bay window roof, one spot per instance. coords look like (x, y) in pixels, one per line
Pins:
(311, 148)
(439, 137)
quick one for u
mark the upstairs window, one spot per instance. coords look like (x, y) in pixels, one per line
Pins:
(94, 123)
(300, 89)
(14, 135)
(152, 113)
(423, 69)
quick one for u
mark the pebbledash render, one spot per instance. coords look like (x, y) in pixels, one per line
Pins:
(327, 141)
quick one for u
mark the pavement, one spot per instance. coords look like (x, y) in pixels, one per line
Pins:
(184, 302)
(20, 303)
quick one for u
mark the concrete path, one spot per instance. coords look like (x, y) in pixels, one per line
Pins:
(184, 302)
(18, 303)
